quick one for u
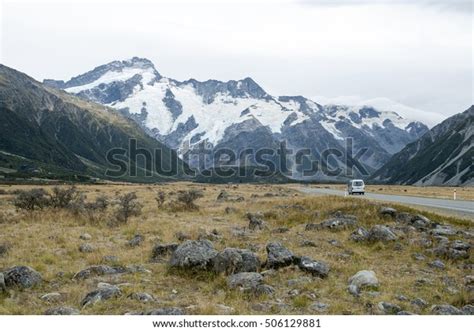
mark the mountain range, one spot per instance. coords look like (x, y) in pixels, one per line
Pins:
(191, 116)
(443, 156)
(46, 132)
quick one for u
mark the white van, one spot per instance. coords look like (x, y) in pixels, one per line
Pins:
(356, 186)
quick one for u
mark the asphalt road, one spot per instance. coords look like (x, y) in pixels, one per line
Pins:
(456, 207)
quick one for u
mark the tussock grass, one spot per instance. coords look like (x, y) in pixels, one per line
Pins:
(48, 241)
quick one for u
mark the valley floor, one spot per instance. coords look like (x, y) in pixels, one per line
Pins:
(48, 241)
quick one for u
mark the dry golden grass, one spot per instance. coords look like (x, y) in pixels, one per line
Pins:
(48, 241)
(441, 192)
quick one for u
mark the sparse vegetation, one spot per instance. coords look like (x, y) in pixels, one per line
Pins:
(59, 232)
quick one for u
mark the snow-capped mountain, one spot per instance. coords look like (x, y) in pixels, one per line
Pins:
(238, 114)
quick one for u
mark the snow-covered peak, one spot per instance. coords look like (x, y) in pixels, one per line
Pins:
(384, 105)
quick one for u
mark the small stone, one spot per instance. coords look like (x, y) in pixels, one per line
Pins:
(51, 297)
(361, 234)
(61, 311)
(319, 307)
(86, 248)
(161, 250)
(419, 303)
(389, 308)
(387, 211)
(437, 264)
(468, 310)
(143, 297)
(361, 280)
(103, 292)
(85, 236)
(419, 256)
(256, 221)
(136, 240)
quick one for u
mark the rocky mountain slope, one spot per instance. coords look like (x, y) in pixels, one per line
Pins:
(45, 131)
(443, 156)
(240, 115)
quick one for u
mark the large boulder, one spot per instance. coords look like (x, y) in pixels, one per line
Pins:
(362, 280)
(235, 260)
(315, 268)
(22, 277)
(103, 292)
(279, 256)
(194, 254)
(381, 233)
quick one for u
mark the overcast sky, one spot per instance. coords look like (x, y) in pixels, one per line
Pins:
(416, 52)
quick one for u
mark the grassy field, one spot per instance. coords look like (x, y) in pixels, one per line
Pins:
(442, 192)
(48, 241)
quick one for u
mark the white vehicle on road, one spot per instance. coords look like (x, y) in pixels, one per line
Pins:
(356, 186)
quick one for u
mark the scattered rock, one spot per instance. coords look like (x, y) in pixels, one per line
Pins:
(51, 297)
(235, 260)
(361, 234)
(3, 286)
(143, 297)
(419, 256)
(225, 196)
(389, 308)
(181, 236)
(315, 268)
(444, 230)
(401, 297)
(86, 248)
(245, 281)
(319, 307)
(4, 248)
(437, 264)
(456, 250)
(336, 223)
(136, 240)
(278, 256)
(85, 236)
(420, 303)
(103, 292)
(381, 233)
(62, 311)
(468, 310)
(110, 259)
(362, 280)
(308, 243)
(445, 310)
(21, 276)
(264, 289)
(161, 250)
(164, 311)
(194, 255)
(387, 211)
(256, 221)
(98, 270)
(281, 230)
(224, 310)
